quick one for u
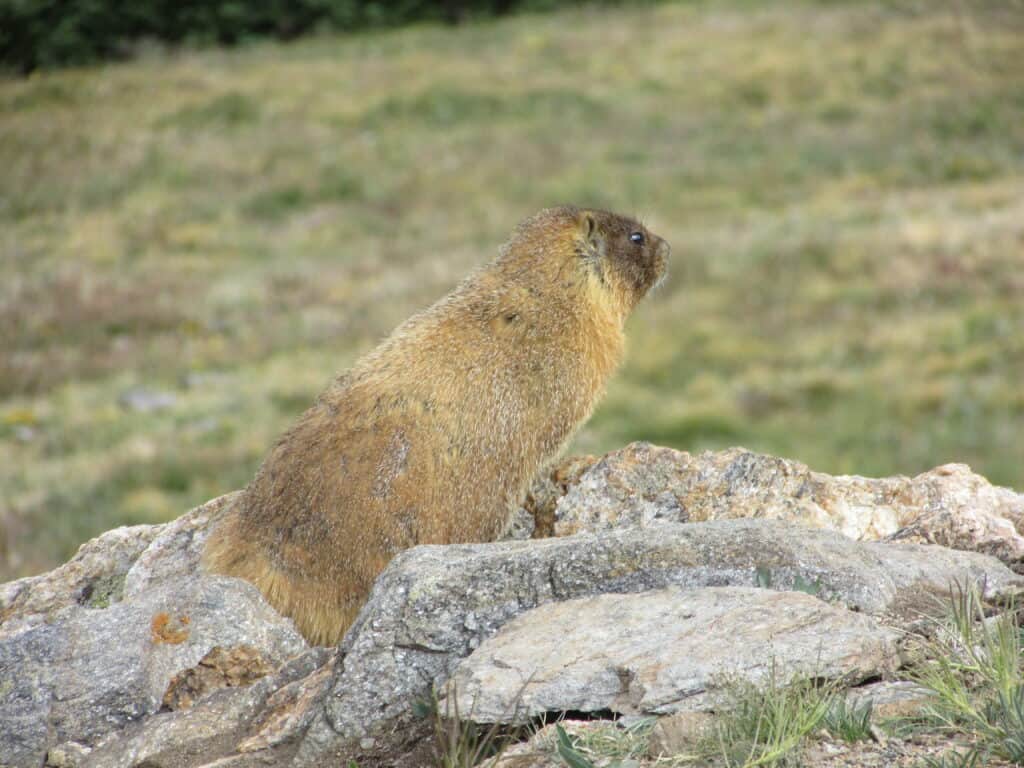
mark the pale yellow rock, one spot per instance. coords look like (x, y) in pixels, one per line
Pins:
(642, 484)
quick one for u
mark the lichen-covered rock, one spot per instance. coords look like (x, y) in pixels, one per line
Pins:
(222, 667)
(74, 668)
(123, 561)
(218, 724)
(175, 550)
(679, 733)
(94, 577)
(663, 651)
(642, 483)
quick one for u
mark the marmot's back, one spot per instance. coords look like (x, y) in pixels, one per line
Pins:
(433, 436)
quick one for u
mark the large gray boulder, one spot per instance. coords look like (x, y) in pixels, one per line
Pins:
(91, 671)
(84, 653)
(120, 562)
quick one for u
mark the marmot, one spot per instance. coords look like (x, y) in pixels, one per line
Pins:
(434, 436)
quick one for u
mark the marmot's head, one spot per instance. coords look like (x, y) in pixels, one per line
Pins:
(621, 252)
(614, 258)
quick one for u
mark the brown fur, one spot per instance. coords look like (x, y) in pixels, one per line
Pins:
(433, 436)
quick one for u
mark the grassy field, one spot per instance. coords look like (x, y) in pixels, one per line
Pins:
(192, 245)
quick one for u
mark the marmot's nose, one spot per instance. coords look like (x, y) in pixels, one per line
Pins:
(664, 249)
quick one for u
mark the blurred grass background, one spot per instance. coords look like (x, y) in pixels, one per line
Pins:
(193, 244)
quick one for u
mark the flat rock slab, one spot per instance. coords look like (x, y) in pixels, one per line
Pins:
(663, 651)
(642, 484)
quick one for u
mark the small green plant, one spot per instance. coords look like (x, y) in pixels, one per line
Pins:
(1008, 711)
(848, 720)
(800, 584)
(765, 725)
(954, 759)
(566, 747)
(622, 745)
(974, 667)
(461, 742)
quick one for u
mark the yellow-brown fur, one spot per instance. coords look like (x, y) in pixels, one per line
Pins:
(433, 436)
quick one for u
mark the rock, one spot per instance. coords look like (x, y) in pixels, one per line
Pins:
(435, 605)
(90, 671)
(550, 486)
(123, 561)
(24, 433)
(541, 749)
(92, 646)
(93, 577)
(256, 716)
(175, 550)
(521, 526)
(91, 652)
(67, 755)
(679, 733)
(663, 651)
(143, 400)
(220, 668)
(642, 483)
(891, 699)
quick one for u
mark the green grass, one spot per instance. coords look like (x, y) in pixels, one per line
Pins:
(953, 759)
(766, 725)
(610, 744)
(848, 720)
(975, 667)
(842, 184)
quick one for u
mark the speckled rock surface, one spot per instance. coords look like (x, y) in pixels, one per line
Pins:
(641, 484)
(663, 651)
(94, 576)
(123, 561)
(84, 653)
(244, 719)
(175, 550)
(679, 733)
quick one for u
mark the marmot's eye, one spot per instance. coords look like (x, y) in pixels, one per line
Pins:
(637, 238)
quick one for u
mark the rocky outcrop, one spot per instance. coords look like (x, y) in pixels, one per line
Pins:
(129, 656)
(642, 484)
(93, 646)
(122, 562)
(90, 671)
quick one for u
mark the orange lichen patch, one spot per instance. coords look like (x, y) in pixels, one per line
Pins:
(169, 629)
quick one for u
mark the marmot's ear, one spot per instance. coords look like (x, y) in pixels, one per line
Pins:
(588, 226)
